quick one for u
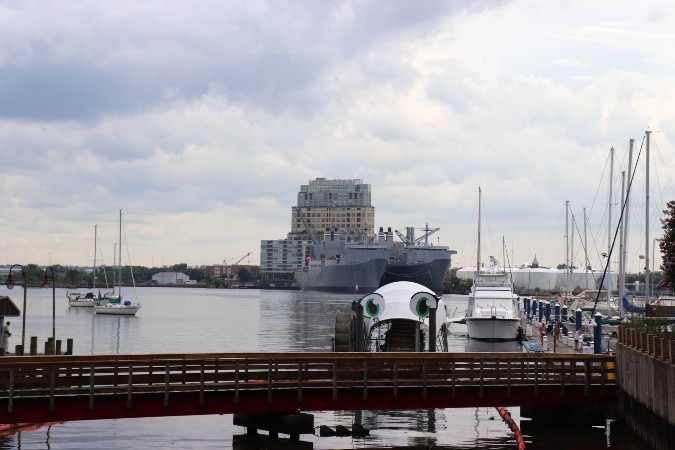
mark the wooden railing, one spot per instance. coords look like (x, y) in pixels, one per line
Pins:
(662, 348)
(163, 376)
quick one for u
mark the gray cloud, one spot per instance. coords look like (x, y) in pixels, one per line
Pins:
(208, 116)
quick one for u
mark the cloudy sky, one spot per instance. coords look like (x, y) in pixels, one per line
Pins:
(200, 120)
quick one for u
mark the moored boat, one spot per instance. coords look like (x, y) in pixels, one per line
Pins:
(113, 304)
(415, 259)
(341, 274)
(89, 300)
(399, 317)
(338, 263)
(492, 306)
(402, 322)
(491, 309)
(125, 309)
(76, 299)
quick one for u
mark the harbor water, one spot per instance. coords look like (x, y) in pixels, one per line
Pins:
(183, 320)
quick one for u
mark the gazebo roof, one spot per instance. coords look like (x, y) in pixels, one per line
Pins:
(8, 308)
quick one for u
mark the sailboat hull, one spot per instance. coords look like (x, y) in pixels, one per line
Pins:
(119, 310)
(82, 303)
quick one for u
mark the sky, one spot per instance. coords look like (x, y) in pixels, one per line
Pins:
(201, 120)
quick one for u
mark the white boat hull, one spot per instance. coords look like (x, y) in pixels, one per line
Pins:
(489, 329)
(82, 303)
(120, 310)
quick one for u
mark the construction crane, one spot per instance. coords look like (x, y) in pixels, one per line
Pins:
(241, 259)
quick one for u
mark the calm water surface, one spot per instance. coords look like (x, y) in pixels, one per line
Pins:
(220, 320)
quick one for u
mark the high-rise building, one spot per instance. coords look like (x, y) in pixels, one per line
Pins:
(342, 205)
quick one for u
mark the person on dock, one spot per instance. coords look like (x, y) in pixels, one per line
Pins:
(577, 334)
(5, 336)
(542, 332)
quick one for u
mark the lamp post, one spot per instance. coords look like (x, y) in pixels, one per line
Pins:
(10, 285)
(45, 284)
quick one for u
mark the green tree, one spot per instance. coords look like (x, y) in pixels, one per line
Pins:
(456, 284)
(667, 246)
(244, 275)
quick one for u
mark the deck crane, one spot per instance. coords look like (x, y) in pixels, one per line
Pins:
(315, 241)
(410, 240)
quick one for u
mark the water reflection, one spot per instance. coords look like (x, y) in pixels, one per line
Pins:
(175, 320)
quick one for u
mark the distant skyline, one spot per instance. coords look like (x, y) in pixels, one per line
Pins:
(201, 121)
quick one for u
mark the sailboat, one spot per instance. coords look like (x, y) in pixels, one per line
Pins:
(491, 310)
(117, 306)
(90, 299)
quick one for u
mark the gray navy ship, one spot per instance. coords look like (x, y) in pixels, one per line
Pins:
(415, 259)
(341, 264)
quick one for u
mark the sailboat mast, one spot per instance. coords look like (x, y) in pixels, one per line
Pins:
(567, 246)
(478, 250)
(622, 250)
(586, 252)
(569, 287)
(609, 225)
(114, 272)
(647, 275)
(626, 214)
(95, 230)
(504, 253)
(120, 257)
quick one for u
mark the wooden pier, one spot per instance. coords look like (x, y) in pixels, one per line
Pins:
(63, 388)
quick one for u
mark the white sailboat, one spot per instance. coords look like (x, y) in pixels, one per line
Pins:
(90, 299)
(125, 307)
(491, 310)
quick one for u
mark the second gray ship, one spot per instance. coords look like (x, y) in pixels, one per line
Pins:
(342, 264)
(416, 259)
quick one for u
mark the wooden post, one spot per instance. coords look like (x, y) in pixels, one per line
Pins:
(69, 346)
(658, 347)
(33, 345)
(643, 341)
(91, 386)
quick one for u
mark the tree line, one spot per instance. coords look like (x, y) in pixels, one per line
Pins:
(140, 275)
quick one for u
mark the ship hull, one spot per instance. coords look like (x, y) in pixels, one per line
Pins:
(430, 274)
(332, 276)
(492, 329)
